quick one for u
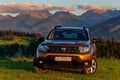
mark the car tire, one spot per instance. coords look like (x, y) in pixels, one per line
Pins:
(37, 67)
(92, 69)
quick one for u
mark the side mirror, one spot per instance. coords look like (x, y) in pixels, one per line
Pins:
(40, 39)
(94, 40)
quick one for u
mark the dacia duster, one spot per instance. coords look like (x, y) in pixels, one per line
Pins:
(66, 47)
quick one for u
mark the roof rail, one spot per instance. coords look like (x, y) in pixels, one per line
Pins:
(57, 26)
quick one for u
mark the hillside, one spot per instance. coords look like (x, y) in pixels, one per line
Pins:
(109, 28)
(92, 17)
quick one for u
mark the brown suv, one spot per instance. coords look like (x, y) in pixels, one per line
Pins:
(66, 47)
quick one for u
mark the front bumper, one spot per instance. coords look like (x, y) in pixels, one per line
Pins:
(77, 60)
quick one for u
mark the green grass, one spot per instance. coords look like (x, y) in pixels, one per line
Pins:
(16, 39)
(108, 69)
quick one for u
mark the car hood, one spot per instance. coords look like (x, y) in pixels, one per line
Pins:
(72, 42)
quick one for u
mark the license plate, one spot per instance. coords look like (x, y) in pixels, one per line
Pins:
(63, 58)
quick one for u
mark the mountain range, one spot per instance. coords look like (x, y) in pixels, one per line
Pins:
(104, 23)
(107, 29)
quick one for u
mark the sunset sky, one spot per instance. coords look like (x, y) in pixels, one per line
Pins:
(74, 6)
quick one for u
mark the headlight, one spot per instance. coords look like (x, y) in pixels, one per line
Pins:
(84, 49)
(43, 47)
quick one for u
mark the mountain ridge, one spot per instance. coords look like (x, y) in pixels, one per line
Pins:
(44, 20)
(107, 29)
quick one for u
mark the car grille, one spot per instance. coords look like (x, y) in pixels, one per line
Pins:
(62, 49)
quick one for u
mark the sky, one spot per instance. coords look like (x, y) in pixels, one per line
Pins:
(75, 6)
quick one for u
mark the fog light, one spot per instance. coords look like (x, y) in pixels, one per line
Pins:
(40, 62)
(86, 63)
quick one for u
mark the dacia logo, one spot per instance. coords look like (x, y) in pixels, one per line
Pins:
(63, 49)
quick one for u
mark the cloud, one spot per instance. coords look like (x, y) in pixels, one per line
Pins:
(26, 7)
(94, 7)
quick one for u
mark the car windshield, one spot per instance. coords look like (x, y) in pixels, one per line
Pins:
(66, 34)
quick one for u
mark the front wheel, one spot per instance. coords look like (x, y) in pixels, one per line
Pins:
(92, 69)
(38, 68)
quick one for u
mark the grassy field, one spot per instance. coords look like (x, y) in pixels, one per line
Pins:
(16, 39)
(108, 69)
